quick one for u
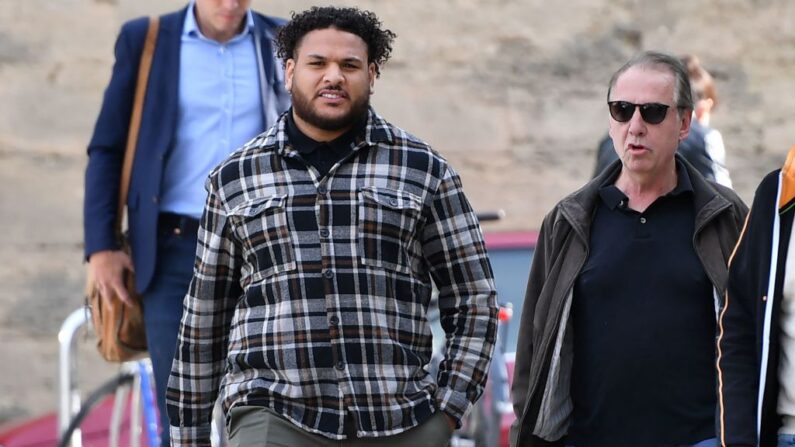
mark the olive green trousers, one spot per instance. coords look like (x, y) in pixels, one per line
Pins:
(251, 426)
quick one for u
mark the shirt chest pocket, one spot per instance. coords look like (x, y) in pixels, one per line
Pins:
(387, 228)
(263, 228)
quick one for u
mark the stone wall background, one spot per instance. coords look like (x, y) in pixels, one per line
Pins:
(511, 91)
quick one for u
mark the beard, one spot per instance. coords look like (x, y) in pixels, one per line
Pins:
(302, 107)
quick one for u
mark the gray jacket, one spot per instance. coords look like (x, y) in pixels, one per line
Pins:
(542, 377)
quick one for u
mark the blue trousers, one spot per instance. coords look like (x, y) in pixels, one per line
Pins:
(162, 306)
(786, 440)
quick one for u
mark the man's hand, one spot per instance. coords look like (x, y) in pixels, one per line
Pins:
(107, 267)
(450, 421)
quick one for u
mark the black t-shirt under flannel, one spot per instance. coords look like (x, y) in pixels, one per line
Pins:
(644, 328)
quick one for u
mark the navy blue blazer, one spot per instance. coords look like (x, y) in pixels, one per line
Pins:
(156, 136)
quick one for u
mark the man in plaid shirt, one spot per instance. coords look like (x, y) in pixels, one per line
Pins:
(319, 246)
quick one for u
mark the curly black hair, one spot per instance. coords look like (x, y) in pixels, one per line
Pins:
(364, 24)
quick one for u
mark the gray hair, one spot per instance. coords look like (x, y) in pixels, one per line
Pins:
(683, 97)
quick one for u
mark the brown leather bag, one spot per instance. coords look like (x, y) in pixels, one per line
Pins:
(121, 335)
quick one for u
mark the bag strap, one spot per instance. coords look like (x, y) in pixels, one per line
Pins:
(135, 118)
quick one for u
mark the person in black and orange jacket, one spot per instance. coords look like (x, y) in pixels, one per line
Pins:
(756, 340)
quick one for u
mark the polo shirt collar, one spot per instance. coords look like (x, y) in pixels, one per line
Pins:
(615, 198)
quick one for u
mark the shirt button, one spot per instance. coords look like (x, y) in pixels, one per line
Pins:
(155, 199)
(334, 320)
(643, 220)
(340, 366)
(324, 233)
(393, 202)
(328, 273)
(322, 189)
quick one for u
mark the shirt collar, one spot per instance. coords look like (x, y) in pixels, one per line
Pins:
(190, 27)
(615, 198)
(377, 130)
(683, 183)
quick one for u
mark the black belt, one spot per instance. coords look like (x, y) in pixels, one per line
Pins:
(178, 224)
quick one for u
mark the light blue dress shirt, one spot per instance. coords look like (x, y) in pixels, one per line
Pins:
(219, 110)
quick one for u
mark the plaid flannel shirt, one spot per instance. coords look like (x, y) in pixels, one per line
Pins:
(310, 294)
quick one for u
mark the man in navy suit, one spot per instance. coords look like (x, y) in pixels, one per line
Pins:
(214, 84)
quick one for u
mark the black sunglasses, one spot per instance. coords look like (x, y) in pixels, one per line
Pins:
(652, 112)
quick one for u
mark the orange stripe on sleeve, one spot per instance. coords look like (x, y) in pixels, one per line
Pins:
(787, 180)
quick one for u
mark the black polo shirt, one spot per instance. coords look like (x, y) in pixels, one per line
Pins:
(323, 155)
(644, 327)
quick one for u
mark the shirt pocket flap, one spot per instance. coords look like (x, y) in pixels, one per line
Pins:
(257, 206)
(392, 198)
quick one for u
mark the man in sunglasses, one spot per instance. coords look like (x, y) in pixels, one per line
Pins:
(617, 335)
(703, 147)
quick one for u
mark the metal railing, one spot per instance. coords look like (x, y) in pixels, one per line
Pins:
(68, 393)
(133, 388)
(70, 406)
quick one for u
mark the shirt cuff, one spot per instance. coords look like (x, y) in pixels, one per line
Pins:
(454, 403)
(190, 436)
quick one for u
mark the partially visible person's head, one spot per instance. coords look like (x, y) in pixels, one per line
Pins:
(705, 95)
(220, 20)
(649, 104)
(332, 57)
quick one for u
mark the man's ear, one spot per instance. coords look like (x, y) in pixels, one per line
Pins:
(289, 70)
(371, 69)
(684, 128)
